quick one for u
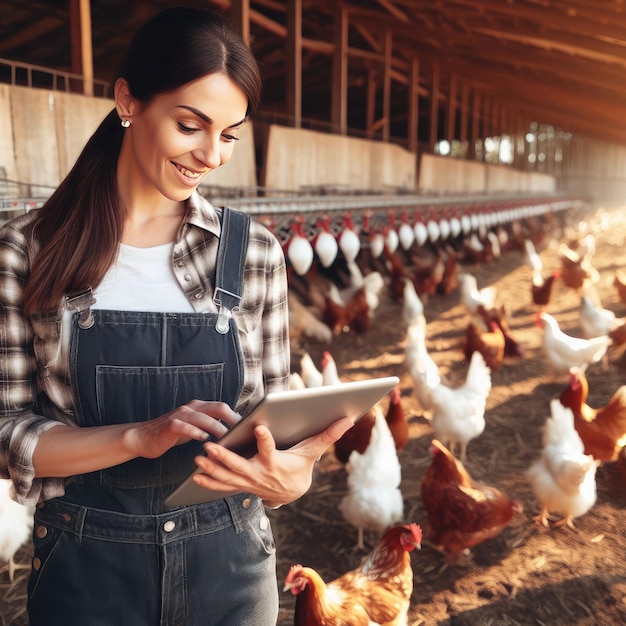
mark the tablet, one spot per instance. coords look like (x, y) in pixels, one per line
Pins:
(291, 416)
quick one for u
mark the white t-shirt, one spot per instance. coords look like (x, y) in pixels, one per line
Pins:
(141, 279)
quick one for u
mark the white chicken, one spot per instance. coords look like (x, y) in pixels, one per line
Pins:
(596, 321)
(472, 297)
(16, 525)
(412, 306)
(330, 375)
(311, 376)
(423, 370)
(562, 351)
(458, 414)
(563, 479)
(374, 500)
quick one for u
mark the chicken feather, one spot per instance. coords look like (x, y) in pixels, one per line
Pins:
(563, 479)
(458, 414)
(374, 500)
(562, 351)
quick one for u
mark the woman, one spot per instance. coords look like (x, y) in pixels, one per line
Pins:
(138, 321)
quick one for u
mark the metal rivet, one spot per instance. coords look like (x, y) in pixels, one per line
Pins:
(36, 563)
(168, 527)
(199, 295)
(187, 277)
(264, 523)
(42, 531)
(246, 503)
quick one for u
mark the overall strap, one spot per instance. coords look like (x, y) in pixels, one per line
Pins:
(231, 256)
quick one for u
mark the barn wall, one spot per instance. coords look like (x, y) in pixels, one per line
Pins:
(596, 170)
(42, 133)
(48, 129)
(440, 174)
(298, 158)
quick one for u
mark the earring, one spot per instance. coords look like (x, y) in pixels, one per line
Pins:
(125, 123)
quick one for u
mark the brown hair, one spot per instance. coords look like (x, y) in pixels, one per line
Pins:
(80, 226)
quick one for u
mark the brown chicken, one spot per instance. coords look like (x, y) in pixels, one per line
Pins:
(378, 591)
(576, 268)
(354, 315)
(358, 437)
(602, 430)
(512, 347)
(619, 280)
(461, 512)
(490, 343)
(541, 290)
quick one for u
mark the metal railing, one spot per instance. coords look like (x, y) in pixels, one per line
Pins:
(29, 75)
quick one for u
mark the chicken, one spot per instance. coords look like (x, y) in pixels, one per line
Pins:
(458, 414)
(374, 500)
(595, 320)
(461, 512)
(472, 297)
(489, 342)
(358, 437)
(563, 479)
(541, 287)
(412, 306)
(304, 323)
(450, 279)
(396, 420)
(576, 269)
(342, 316)
(497, 315)
(602, 430)
(16, 525)
(619, 281)
(563, 351)
(330, 375)
(423, 370)
(311, 376)
(295, 381)
(377, 592)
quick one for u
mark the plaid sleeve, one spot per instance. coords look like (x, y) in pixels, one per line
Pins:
(20, 427)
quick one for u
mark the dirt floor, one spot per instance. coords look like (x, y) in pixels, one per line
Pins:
(528, 575)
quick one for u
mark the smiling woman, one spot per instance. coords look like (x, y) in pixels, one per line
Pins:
(140, 323)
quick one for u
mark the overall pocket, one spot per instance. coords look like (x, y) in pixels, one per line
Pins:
(136, 394)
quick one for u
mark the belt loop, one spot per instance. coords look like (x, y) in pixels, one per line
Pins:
(80, 522)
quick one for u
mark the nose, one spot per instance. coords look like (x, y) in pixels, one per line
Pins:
(209, 153)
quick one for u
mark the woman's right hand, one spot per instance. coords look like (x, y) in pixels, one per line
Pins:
(197, 420)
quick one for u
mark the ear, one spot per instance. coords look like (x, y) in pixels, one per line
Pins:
(125, 104)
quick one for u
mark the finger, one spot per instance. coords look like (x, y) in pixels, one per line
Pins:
(317, 445)
(217, 410)
(264, 441)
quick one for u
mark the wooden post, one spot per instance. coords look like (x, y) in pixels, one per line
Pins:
(82, 53)
(294, 61)
(451, 119)
(387, 85)
(339, 99)
(413, 113)
(240, 16)
(434, 108)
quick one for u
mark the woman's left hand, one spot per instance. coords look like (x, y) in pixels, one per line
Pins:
(276, 476)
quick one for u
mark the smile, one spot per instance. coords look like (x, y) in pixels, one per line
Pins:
(186, 172)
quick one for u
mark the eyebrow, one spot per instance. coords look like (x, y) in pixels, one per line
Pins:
(205, 117)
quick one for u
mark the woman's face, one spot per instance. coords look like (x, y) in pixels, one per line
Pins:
(180, 136)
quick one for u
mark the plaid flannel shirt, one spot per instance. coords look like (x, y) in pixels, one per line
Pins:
(33, 358)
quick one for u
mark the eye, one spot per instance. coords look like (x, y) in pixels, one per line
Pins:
(188, 130)
(229, 138)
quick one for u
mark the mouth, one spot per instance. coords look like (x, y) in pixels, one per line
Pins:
(187, 173)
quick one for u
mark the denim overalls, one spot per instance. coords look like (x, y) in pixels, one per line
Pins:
(109, 552)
